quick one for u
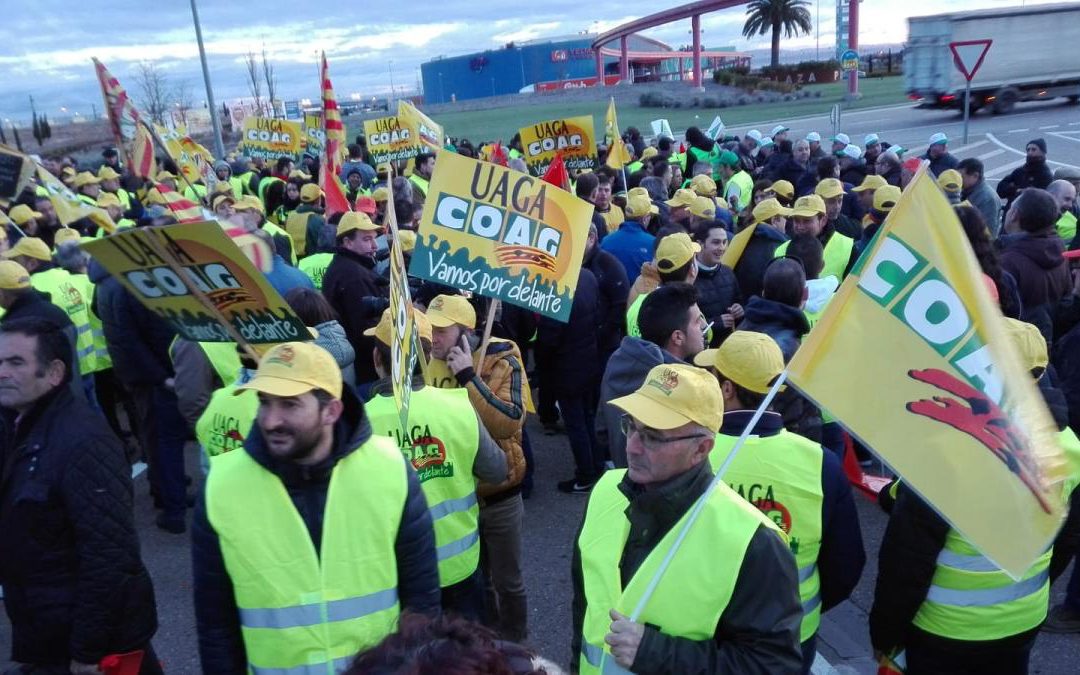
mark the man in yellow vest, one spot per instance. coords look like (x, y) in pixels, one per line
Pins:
(451, 451)
(309, 541)
(112, 205)
(808, 217)
(792, 480)
(937, 598)
(305, 224)
(674, 264)
(729, 600)
(87, 187)
(110, 184)
(254, 215)
(738, 184)
(424, 166)
(227, 419)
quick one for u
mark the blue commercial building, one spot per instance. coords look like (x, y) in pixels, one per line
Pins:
(542, 64)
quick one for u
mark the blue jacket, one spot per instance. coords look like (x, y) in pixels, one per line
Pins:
(284, 277)
(632, 245)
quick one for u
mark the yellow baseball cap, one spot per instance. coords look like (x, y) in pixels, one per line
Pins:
(749, 359)
(703, 207)
(165, 175)
(22, 213)
(154, 196)
(681, 198)
(31, 247)
(381, 331)
(13, 275)
(355, 220)
(674, 251)
(106, 172)
(407, 238)
(248, 203)
(295, 368)
(1029, 343)
(885, 198)
(223, 188)
(451, 310)
(297, 173)
(950, 180)
(674, 395)
(783, 188)
(648, 152)
(809, 206)
(221, 199)
(381, 194)
(703, 185)
(638, 191)
(829, 188)
(68, 172)
(108, 199)
(871, 182)
(310, 193)
(638, 206)
(86, 178)
(767, 209)
(66, 234)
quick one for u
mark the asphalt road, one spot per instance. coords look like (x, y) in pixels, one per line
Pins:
(552, 518)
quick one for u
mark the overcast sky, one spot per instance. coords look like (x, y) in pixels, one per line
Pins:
(46, 45)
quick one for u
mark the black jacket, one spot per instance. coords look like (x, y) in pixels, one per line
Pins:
(783, 323)
(359, 296)
(758, 631)
(75, 587)
(221, 645)
(138, 340)
(1030, 175)
(614, 289)
(946, 161)
(569, 350)
(717, 289)
(759, 252)
(1042, 275)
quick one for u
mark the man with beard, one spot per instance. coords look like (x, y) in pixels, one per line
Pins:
(310, 540)
(1033, 174)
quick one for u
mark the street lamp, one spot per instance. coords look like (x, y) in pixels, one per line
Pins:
(390, 67)
(219, 145)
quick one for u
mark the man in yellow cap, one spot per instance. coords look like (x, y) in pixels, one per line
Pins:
(109, 202)
(703, 185)
(166, 178)
(792, 480)
(733, 561)
(87, 187)
(355, 290)
(865, 191)
(769, 222)
(680, 207)
(26, 219)
(885, 198)
(110, 184)
(250, 209)
(811, 216)
(450, 450)
(305, 225)
(497, 390)
(951, 185)
(631, 243)
(782, 190)
(381, 196)
(674, 263)
(311, 539)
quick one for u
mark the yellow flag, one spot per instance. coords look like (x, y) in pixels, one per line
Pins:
(912, 356)
(70, 208)
(736, 246)
(184, 150)
(618, 156)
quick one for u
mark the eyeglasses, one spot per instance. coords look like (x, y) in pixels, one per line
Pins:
(650, 438)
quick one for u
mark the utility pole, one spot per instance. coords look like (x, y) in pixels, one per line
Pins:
(219, 145)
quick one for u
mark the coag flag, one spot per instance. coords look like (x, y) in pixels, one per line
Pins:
(404, 341)
(70, 208)
(618, 156)
(333, 149)
(937, 389)
(128, 127)
(184, 150)
(424, 130)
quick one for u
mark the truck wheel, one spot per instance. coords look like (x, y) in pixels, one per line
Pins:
(1006, 101)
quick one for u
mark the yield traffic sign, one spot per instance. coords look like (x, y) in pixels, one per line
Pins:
(968, 55)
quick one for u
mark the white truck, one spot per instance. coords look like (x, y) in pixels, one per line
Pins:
(1033, 57)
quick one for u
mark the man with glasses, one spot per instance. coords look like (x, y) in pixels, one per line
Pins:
(733, 562)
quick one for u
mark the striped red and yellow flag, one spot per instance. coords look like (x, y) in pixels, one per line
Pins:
(129, 130)
(185, 210)
(333, 148)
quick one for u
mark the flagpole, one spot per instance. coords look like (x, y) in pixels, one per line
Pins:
(219, 145)
(700, 505)
(165, 148)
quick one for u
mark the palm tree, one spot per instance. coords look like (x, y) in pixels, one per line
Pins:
(764, 15)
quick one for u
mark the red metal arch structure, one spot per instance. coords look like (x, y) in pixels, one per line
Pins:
(693, 11)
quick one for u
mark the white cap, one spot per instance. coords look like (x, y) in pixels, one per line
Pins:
(851, 151)
(754, 134)
(779, 129)
(842, 138)
(871, 139)
(939, 138)
(767, 143)
(813, 137)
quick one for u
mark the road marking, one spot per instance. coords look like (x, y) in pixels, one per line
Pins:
(1074, 124)
(1050, 126)
(969, 146)
(1016, 131)
(137, 469)
(1066, 137)
(994, 140)
(988, 155)
(1005, 167)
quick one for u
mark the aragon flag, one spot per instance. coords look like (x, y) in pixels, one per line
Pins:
(184, 209)
(912, 356)
(127, 124)
(333, 148)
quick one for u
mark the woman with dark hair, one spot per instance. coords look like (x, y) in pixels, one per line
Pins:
(701, 149)
(990, 262)
(315, 311)
(292, 195)
(273, 197)
(759, 194)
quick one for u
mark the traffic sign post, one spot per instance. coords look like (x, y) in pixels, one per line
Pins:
(968, 56)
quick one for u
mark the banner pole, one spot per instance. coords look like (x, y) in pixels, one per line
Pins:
(487, 333)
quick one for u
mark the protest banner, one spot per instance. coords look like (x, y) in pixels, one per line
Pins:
(500, 233)
(404, 347)
(389, 141)
(194, 276)
(572, 137)
(184, 150)
(314, 136)
(423, 128)
(267, 138)
(939, 392)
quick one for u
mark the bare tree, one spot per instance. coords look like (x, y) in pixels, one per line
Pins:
(254, 82)
(184, 99)
(271, 81)
(154, 93)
